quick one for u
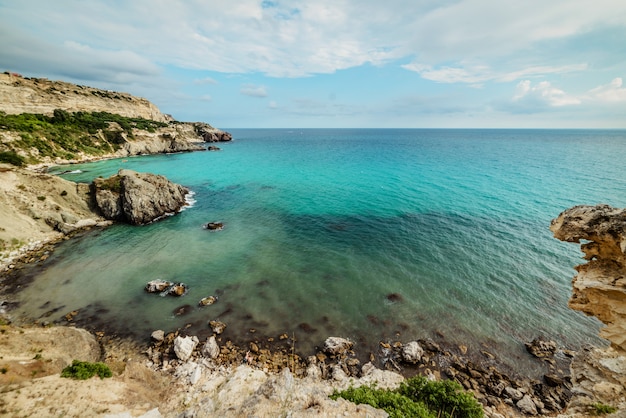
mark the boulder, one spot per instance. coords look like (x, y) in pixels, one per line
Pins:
(412, 352)
(157, 286)
(184, 346)
(211, 349)
(217, 326)
(337, 345)
(178, 289)
(158, 335)
(209, 300)
(214, 226)
(137, 198)
(541, 348)
(527, 406)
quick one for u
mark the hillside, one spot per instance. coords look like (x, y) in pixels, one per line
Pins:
(39, 95)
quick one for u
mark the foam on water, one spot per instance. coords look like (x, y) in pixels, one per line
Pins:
(368, 234)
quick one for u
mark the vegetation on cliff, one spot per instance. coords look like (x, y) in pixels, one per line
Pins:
(418, 397)
(66, 135)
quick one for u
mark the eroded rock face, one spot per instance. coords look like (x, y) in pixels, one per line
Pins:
(137, 198)
(599, 288)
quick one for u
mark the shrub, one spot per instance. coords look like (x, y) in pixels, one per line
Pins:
(418, 397)
(83, 370)
(600, 408)
(11, 157)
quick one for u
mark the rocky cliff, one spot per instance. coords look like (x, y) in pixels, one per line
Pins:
(39, 95)
(599, 289)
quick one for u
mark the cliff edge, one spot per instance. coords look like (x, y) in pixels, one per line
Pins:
(39, 95)
(599, 289)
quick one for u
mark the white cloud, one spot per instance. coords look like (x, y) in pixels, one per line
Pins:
(476, 74)
(609, 93)
(253, 90)
(543, 93)
(205, 80)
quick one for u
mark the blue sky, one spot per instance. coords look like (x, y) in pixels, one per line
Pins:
(337, 63)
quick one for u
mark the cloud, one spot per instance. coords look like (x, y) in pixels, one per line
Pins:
(543, 93)
(253, 90)
(477, 74)
(205, 80)
(609, 93)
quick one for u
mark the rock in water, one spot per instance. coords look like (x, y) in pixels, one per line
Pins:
(217, 326)
(137, 198)
(209, 300)
(157, 286)
(412, 352)
(337, 345)
(184, 346)
(178, 289)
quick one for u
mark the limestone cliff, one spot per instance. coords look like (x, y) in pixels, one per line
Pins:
(137, 198)
(39, 95)
(599, 288)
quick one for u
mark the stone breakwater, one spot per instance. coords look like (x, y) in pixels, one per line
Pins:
(599, 289)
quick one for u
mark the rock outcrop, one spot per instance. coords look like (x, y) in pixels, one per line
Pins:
(137, 198)
(599, 288)
(39, 95)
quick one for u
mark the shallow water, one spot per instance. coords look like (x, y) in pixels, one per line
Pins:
(367, 234)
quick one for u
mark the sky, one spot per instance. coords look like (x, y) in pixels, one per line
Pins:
(336, 63)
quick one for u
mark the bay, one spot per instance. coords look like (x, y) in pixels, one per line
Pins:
(371, 234)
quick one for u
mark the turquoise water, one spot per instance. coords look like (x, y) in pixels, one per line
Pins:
(368, 234)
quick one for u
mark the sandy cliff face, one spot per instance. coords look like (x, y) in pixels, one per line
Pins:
(40, 95)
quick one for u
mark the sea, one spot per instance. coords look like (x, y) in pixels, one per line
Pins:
(377, 235)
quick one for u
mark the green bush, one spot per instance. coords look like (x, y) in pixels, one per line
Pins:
(600, 408)
(65, 134)
(83, 370)
(11, 157)
(418, 397)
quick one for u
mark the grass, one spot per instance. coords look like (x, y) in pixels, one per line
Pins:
(83, 370)
(418, 397)
(65, 134)
(600, 408)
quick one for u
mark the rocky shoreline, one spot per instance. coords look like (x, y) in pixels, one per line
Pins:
(187, 359)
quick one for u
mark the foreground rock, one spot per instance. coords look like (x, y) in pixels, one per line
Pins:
(599, 289)
(137, 198)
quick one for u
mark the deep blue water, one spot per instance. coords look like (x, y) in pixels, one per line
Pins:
(363, 233)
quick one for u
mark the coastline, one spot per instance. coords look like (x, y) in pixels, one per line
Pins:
(281, 354)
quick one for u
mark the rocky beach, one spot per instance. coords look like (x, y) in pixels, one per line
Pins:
(177, 374)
